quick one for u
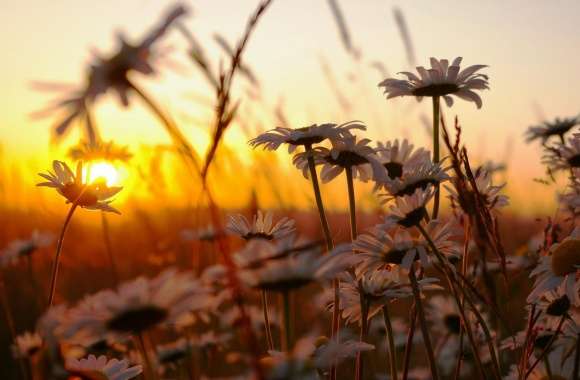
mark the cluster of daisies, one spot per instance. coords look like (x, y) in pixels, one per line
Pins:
(416, 296)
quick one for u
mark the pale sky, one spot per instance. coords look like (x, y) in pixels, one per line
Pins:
(531, 48)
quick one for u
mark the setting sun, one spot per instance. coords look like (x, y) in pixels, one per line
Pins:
(104, 170)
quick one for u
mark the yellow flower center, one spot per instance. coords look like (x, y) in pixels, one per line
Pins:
(566, 257)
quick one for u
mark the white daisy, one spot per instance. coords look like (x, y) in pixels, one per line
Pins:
(26, 345)
(261, 227)
(441, 79)
(408, 210)
(396, 156)
(564, 156)
(422, 174)
(296, 364)
(332, 352)
(558, 127)
(560, 268)
(93, 368)
(94, 196)
(18, 249)
(311, 135)
(557, 304)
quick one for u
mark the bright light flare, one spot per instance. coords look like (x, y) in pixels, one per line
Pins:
(101, 170)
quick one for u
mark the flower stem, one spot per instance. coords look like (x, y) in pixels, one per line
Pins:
(287, 342)
(109, 248)
(391, 342)
(436, 154)
(409, 343)
(58, 251)
(329, 246)
(547, 348)
(149, 371)
(576, 371)
(423, 324)
(351, 203)
(267, 320)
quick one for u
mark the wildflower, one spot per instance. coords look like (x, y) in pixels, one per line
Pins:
(557, 303)
(441, 79)
(26, 345)
(397, 156)
(347, 154)
(23, 248)
(87, 151)
(558, 269)
(564, 156)
(380, 249)
(298, 269)
(420, 175)
(409, 210)
(136, 306)
(547, 129)
(313, 134)
(261, 227)
(485, 190)
(331, 352)
(101, 368)
(93, 196)
(444, 314)
(296, 364)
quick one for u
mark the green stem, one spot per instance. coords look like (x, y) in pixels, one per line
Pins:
(423, 324)
(391, 342)
(436, 154)
(267, 321)
(287, 341)
(109, 248)
(55, 265)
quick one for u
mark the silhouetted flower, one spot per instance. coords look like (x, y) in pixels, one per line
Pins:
(261, 226)
(26, 345)
(18, 249)
(557, 127)
(101, 368)
(408, 210)
(87, 151)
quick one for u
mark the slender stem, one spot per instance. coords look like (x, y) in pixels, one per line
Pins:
(409, 344)
(576, 371)
(287, 341)
(548, 368)
(391, 342)
(459, 356)
(547, 348)
(423, 324)
(55, 265)
(149, 371)
(109, 248)
(436, 154)
(351, 203)
(267, 320)
(329, 246)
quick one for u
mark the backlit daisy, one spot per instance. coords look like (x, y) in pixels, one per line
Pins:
(560, 268)
(93, 368)
(26, 345)
(441, 79)
(408, 210)
(94, 196)
(311, 135)
(420, 175)
(18, 249)
(556, 128)
(261, 227)
(564, 156)
(396, 156)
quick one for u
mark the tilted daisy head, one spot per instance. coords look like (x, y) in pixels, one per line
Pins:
(421, 175)
(396, 156)
(305, 136)
(408, 210)
(441, 79)
(564, 156)
(101, 368)
(555, 128)
(69, 184)
(262, 226)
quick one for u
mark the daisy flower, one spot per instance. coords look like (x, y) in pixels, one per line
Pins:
(557, 127)
(87, 151)
(26, 345)
(560, 268)
(396, 156)
(262, 226)
(408, 210)
(93, 196)
(441, 79)
(557, 304)
(18, 249)
(444, 315)
(349, 154)
(101, 368)
(564, 156)
(420, 175)
(299, 269)
(331, 352)
(296, 364)
(313, 134)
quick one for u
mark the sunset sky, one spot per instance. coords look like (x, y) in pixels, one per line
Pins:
(530, 47)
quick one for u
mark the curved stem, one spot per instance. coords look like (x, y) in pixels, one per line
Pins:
(423, 324)
(436, 154)
(267, 320)
(55, 265)
(391, 342)
(109, 248)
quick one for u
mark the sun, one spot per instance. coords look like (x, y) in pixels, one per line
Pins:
(102, 170)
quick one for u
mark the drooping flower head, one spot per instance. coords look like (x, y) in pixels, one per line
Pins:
(311, 135)
(262, 226)
(441, 79)
(408, 210)
(93, 196)
(93, 368)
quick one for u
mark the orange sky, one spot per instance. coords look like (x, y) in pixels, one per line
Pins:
(530, 46)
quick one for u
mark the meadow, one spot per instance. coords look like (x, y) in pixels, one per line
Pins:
(286, 250)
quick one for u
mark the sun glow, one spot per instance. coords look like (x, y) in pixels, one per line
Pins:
(102, 170)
